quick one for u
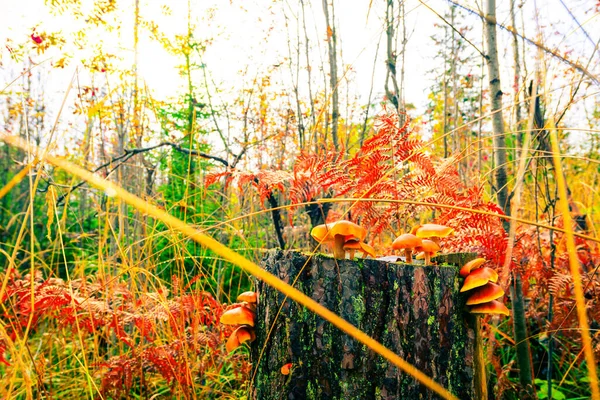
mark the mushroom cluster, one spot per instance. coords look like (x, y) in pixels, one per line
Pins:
(244, 316)
(484, 293)
(422, 238)
(344, 236)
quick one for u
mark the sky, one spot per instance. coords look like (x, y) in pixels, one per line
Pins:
(240, 39)
(247, 38)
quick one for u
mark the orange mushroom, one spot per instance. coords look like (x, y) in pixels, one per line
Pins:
(367, 250)
(491, 307)
(479, 277)
(407, 242)
(248, 297)
(286, 369)
(338, 233)
(428, 247)
(352, 246)
(484, 291)
(471, 265)
(488, 292)
(432, 231)
(239, 336)
(238, 316)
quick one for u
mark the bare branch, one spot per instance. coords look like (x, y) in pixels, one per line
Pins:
(128, 153)
(553, 53)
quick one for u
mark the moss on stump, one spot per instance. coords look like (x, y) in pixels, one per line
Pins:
(415, 311)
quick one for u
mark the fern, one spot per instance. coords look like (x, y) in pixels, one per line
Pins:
(175, 337)
(391, 165)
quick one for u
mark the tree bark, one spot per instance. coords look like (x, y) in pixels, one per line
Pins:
(496, 109)
(517, 80)
(415, 311)
(333, 80)
(395, 95)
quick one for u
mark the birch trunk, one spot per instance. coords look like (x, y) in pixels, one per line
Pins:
(496, 109)
(333, 79)
(522, 347)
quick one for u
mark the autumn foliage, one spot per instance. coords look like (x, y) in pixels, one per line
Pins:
(175, 337)
(100, 299)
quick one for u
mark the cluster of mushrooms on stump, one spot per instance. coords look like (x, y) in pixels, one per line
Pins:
(345, 236)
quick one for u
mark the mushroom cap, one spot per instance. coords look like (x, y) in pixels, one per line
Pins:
(368, 249)
(286, 368)
(414, 229)
(360, 246)
(352, 245)
(479, 277)
(406, 241)
(428, 246)
(471, 265)
(238, 316)
(491, 307)
(488, 292)
(433, 230)
(327, 232)
(248, 297)
(239, 336)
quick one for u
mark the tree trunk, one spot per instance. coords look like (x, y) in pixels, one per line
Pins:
(517, 81)
(333, 80)
(496, 110)
(395, 95)
(523, 358)
(415, 311)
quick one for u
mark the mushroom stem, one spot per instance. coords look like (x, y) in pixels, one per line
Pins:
(351, 253)
(338, 247)
(408, 255)
(427, 258)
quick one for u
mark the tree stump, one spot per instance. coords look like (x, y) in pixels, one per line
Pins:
(415, 311)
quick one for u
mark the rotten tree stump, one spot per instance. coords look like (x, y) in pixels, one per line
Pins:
(415, 311)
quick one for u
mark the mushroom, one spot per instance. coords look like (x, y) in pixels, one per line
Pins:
(248, 299)
(238, 316)
(406, 242)
(491, 307)
(286, 369)
(338, 233)
(471, 265)
(428, 247)
(243, 315)
(352, 246)
(484, 290)
(239, 336)
(367, 250)
(479, 277)
(432, 231)
(488, 292)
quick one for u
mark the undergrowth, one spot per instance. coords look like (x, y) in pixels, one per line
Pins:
(106, 316)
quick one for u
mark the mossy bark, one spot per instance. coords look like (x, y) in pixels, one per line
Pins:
(415, 311)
